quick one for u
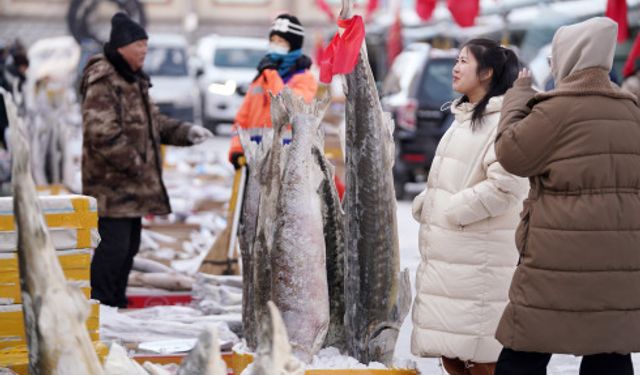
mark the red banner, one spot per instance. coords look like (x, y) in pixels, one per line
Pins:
(425, 8)
(394, 40)
(630, 65)
(341, 55)
(617, 11)
(464, 12)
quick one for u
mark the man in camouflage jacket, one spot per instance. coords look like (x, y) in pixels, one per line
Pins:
(121, 161)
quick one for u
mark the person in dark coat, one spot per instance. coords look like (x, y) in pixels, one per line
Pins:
(121, 160)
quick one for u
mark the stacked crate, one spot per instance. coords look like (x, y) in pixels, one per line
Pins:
(72, 221)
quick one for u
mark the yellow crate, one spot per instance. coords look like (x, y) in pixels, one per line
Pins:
(12, 323)
(62, 211)
(17, 358)
(76, 266)
(10, 293)
(72, 221)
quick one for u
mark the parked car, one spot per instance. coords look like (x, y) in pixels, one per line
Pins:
(228, 65)
(419, 108)
(174, 88)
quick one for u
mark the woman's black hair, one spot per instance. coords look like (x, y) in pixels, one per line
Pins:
(491, 56)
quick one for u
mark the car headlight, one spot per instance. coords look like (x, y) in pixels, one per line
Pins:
(226, 89)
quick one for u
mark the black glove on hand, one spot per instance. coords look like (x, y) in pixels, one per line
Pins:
(268, 63)
(303, 62)
(235, 160)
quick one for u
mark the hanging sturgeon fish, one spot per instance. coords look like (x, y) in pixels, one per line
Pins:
(299, 277)
(54, 311)
(256, 154)
(333, 220)
(377, 295)
(270, 181)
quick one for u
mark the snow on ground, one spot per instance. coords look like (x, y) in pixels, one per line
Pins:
(409, 257)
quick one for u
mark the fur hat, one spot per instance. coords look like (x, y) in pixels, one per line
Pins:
(289, 28)
(125, 31)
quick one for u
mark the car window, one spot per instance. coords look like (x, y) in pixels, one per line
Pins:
(163, 61)
(238, 57)
(435, 87)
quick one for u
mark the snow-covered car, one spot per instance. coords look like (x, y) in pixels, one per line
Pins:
(174, 88)
(228, 65)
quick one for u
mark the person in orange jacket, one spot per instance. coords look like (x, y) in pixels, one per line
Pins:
(284, 65)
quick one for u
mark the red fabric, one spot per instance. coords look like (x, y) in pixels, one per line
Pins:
(372, 5)
(464, 12)
(425, 8)
(318, 50)
(630, 65)
(322, 4)
(341, 55)
(394, 40)
(339, 186)
(617, 11)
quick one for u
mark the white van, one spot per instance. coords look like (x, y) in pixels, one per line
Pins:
(228, 65)
(174, 89)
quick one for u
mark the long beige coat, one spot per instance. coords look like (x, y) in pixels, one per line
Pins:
(468, 214)
(577, 289)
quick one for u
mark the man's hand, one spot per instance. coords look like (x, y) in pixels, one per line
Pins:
(198, 134)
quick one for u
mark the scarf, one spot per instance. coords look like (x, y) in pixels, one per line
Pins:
(287, 62)
(122, 66)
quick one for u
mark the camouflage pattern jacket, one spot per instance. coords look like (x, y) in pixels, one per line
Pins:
(122, 133)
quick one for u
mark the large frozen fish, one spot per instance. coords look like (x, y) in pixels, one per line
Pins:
(255, 153)
(270, 189)
(299, 278)
(273, 356)
(377, 297)
(54, 311)
(333, 221)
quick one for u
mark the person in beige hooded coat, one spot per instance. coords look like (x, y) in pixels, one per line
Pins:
(468, 215)
(577, 288)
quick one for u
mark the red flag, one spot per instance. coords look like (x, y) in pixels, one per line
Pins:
(630, 65)
(318, 49)
(617, 11)
(322, 4)
(464, 12)
(425, 8)
(341, 54)
(394, 40)
(372, 5)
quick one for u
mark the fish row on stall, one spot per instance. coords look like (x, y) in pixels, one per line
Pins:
(55, 311)
(332, 268)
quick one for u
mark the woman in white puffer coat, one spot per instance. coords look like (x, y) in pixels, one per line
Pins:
(468, 215)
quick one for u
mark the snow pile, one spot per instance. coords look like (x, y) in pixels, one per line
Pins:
(331, 358)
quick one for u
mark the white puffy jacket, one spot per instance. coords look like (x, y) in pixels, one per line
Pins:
(468, 214)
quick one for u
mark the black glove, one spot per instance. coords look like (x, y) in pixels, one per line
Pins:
(235, 159)
(268, 63)
(303, 62)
